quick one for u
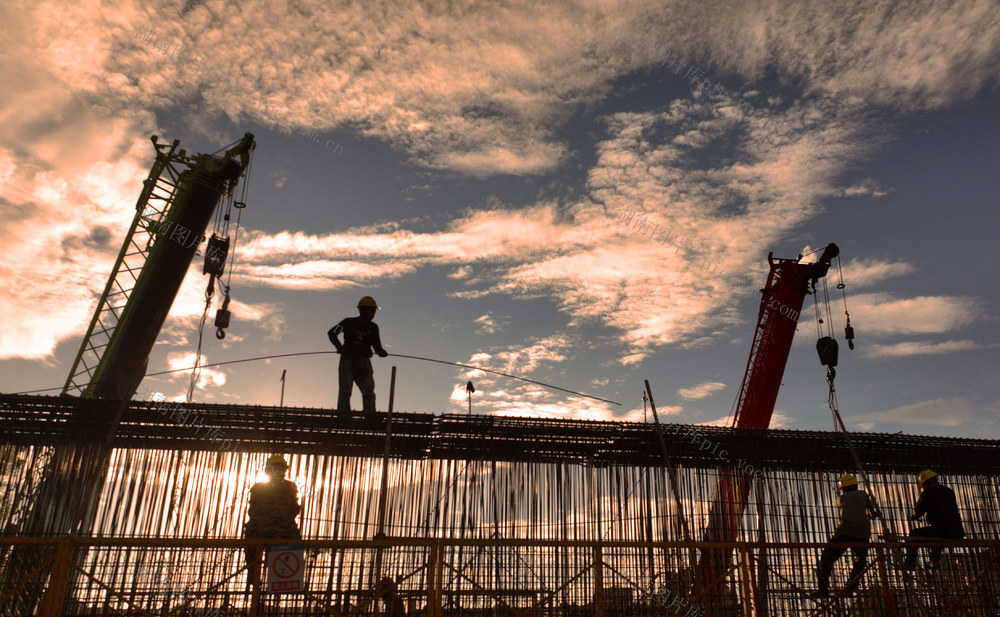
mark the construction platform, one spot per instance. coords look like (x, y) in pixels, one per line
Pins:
(481, 515)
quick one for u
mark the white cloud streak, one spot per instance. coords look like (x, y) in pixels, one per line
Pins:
(949, 411)
(700, 391)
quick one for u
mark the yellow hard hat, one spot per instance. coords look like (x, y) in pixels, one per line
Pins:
(926, 475)
(368, 301)
(277, 459)
(847, 480)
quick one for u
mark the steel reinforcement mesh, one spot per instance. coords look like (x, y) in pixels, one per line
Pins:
(472, 479)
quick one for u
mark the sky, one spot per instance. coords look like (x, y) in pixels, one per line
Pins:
(579, 193)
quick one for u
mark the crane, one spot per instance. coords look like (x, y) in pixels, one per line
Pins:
(177, 202)
(788, 283)
(171, 216)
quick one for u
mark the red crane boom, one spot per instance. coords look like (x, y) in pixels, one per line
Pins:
(788, 283)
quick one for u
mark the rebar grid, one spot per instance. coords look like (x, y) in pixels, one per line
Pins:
(467, 482)
(113, 576)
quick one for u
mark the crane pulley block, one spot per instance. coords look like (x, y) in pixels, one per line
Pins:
(828, 350)
(216, 253)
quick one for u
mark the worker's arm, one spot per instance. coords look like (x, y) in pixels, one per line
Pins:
(377, 343)
(873, 508)
(293, 500)
(920, 509)
(332, 333)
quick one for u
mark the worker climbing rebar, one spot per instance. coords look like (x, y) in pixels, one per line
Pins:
(856, 507)
(273, 507)
(361, 336)
(939, 504)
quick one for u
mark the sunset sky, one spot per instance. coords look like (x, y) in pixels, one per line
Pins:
(466, 166)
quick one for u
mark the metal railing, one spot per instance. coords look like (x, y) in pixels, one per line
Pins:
(435, 577)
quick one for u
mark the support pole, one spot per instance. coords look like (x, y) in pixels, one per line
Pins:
(598, 581)
(380, 533)
(883, 575)
(434, 581)
(671, 469)
(55, 597)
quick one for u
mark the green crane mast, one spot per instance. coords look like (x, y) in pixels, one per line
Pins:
(171, 216)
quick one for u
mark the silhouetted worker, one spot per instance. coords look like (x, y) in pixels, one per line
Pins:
(273, 507)
(855, 506)
(939, 504)
(360, 338)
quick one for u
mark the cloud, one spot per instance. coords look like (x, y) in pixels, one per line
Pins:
(700, 391)
(868, 186)
(488, 324)
(952, 411)
(865, 272)
(482, 92)
(206, 376)
(918, 348)
(454, 90)
(779, 419)
(719, 221)
(881, 314)
(499, 395)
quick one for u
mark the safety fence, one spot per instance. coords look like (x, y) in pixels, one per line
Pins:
(492, 577)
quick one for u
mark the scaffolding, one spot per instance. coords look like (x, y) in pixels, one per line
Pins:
(483, 515)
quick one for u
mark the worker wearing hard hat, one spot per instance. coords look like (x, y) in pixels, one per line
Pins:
(273, 507)
(856, 506)
(361, 336)
(939, 504)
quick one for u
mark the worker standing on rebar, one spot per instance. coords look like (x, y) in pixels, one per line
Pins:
(855, 508)
(361, 336)
(273, 507)
(939, 504)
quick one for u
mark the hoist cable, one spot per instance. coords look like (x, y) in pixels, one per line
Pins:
(196, 369)
(240, 205)
(486, 370)
(841, 286)
(315, 353)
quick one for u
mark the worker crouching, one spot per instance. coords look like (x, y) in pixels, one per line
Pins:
(273, 507)
(939, 504)
(361, 336)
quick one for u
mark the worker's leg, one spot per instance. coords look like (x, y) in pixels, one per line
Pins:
(365, 378)
(827, 558)
(911, 549)
(346, 374)
(253, 556)
(860, 556)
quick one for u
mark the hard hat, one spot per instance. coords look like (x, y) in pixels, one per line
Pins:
(368, 301)
(926, 475)
(277, 459)
(847, 480)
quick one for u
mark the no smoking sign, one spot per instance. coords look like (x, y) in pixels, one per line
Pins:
(284, 569)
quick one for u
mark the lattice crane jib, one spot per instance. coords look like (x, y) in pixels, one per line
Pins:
(171, 216)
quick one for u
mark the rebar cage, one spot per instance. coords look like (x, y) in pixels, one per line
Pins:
(482, 515)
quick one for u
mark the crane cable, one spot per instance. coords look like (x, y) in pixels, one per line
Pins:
(220, 228)
(832, 397)
(315, 353)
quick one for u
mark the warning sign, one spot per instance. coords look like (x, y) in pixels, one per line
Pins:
(284, 569)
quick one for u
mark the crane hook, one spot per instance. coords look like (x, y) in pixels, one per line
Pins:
(222, 319)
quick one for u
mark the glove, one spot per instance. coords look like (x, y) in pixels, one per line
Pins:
(383, 353)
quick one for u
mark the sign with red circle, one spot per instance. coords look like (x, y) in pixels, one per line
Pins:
(284, 569)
